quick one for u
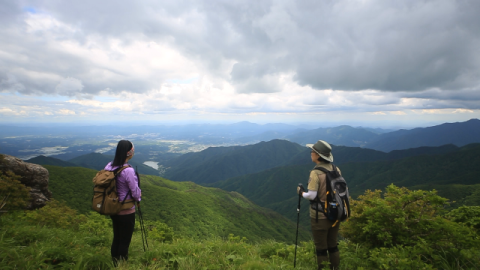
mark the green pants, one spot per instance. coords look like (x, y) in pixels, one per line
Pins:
(325, 239)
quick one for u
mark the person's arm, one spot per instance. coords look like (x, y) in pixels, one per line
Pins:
(310, 195)
(132, 182)
(313, 183)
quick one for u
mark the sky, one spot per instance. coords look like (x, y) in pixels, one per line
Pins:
(360, 62)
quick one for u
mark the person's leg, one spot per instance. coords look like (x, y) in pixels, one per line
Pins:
(127, 224)
(332, 243)
(320, 233)
(116, 239)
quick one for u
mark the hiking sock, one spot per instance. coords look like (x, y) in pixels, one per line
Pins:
(322, 256)
(334, 260)
(320, 260)
(334, 255)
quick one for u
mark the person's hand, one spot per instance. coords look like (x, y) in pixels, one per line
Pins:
(300, 190)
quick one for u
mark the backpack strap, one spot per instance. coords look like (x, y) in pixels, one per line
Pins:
(120, 169)
(317, 199)
(117, 171)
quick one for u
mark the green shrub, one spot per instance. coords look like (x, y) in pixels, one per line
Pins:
(13, 194)
(468, 215)
(157, 231)
(406, 227)
(55, 214)
(96, 224)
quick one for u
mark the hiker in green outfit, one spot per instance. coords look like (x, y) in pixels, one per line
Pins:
(324, 231)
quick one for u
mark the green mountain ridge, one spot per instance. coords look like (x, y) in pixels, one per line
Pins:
(275, 188)
(345, 154)
(191, 210)
(459, 134)
(43, 160)
(341, 135)
(219, 163)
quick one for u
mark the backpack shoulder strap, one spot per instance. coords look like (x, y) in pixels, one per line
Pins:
(317, 198)
(334, 168)
(321, 169)
(119, 169)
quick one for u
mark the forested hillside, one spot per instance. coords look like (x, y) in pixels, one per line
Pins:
(459, 167)
(219, 163)
(345, 154)
(192, 210)
(456, 176)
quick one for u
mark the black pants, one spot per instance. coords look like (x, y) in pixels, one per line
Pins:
(123, 226)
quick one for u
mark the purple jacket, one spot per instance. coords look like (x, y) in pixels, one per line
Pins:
(126, 180)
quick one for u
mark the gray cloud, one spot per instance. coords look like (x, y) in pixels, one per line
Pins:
(341, 45)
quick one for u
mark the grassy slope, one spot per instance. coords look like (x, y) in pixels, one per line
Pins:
(27, 246)
(190, 209)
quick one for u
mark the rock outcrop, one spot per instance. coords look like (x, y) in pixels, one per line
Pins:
(33, 176)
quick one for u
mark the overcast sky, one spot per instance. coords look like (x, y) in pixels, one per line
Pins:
(376, 63)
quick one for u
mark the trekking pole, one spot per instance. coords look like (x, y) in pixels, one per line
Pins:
(298, 219)
(142, 228)
(140, 218)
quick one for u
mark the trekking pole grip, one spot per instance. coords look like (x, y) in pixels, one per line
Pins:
(300, 196)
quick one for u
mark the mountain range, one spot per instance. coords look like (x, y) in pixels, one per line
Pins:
(458, 134)
(448, 169)
(219, 163)
(442, 157)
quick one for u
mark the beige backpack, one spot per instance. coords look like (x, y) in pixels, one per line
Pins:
(105, 197)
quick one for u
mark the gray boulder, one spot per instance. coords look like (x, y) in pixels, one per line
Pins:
(33, 176)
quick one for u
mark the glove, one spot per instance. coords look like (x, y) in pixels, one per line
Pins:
(300, 190)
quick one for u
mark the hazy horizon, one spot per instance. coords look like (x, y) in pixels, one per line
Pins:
(311, 125)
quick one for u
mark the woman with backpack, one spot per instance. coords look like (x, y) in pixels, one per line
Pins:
(324, 230)
(127, 189)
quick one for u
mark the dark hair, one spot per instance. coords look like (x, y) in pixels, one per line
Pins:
(322, 159)
(123, 147)
(319, 157)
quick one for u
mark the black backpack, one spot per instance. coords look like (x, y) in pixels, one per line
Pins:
(337, 206)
